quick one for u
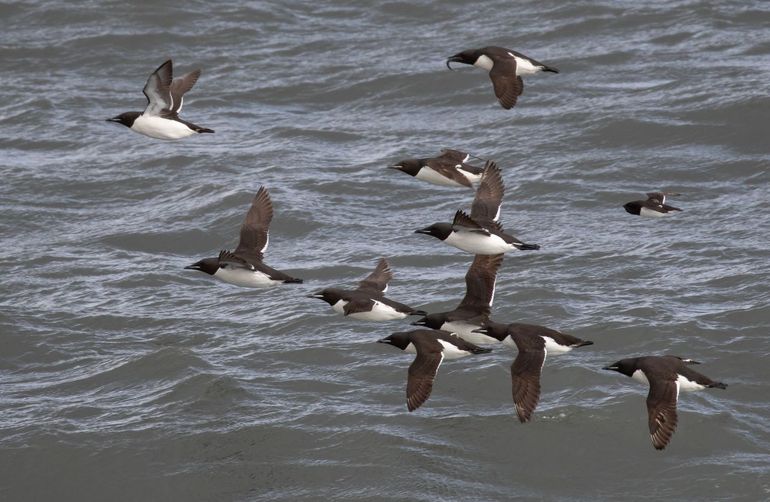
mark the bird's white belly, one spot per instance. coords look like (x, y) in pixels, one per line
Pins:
(379, 312)
(639, 376)
(160, 128)
(465, 331)
(477, 243)
(473, 178)
(553, 347)
(431, 176)
(688, 385)
(451, 351)
(525, 67)
(649, 213)
(339, 307)
(245, 278)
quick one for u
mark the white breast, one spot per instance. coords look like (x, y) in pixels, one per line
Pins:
(451, 351)
(431, 176)
(639, 376)
(245, 278)
(411, 348)
(379, 312)
(484, 62)
(339, 306)
(476, 243)
(160, 128)
(649, 213)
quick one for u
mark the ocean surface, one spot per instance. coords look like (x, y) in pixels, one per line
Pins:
(125, 377)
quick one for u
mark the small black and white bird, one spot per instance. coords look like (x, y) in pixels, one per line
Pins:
(475, 307)
(448, 169)
(244, 266)
(481, 232)
(160, 119)
(368, 302)
(654, 207)
(666, 376)
(533, 343)
(432, 347)
(505, 67)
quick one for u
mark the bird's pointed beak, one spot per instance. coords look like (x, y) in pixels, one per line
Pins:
(453, 59)
(420, 322)
(194, 266)
(397, 167)
(383, 340)
(425, 231)
(611, 368)
(113, 119)
(318, 295)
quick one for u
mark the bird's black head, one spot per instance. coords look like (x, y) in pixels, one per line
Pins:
(208, 265)
(329, 295)
(634, 207)
(433, 321)
(625, 366)
(408, 166)
(400, 340)
(437, 230)
(466, 57)
(496, 330)
(127, 119)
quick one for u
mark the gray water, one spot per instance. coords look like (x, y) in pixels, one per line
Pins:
(125, 377)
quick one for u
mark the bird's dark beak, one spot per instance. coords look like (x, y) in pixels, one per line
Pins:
(194, 266)
(611, 368)
(420, 322)
(114, 119)
(425, 231)
(383, 340)
(397, 167)
(453, 59)
(318, 295)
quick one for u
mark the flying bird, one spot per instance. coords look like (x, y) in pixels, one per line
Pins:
(666, 376)
(367, 302)
(654, 207)
(160, 119)
(244, 266)
(505, 67)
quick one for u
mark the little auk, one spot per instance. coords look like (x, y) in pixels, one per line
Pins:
(160, 119)
(244, 266)
(666, 376)
(432, 347)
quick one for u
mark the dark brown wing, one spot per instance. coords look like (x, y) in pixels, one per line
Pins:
(157, 90)
(378, 280)
(254, 231)
(480, 282)
(228, 258)
(448, 168)
(508, 87)
(661, 410)
(180, 86)
(489, 195)
(422, 371)
(525, 380)
(358, 305)
(467, 223)
(456, 156)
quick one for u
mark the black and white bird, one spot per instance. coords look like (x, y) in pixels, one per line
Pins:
(666, 376)
(533, 343)
(505, 67)
(368, 302)
(481, 232)
(654, 207)
(448, 169)
(475, 307)
(160, 118)
(432, 347)
(244, 266)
